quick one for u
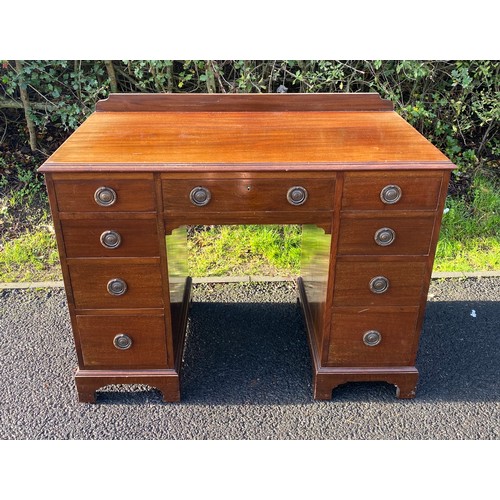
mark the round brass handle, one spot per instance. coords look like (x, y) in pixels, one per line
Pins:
(116, 287)
(122, 341)
(105, 196)
(200, 196)
(385, 236)
(111, 239)
(379, 284)
(296, 195)
(391, 194)
(372, 338)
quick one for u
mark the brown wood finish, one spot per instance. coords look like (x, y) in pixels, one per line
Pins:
(170, 138)
(315, 263)
(165, 278)
(426, 279)
(63, 261)
(352, 282)
(420, 190)
(82, 238)
(413, 233)
(321, 219)
(327, 378)
(89, 381)
(248, 150)
(396, 325)
(148, 341)
(243, 102)
(334, 254)
(253, 194)
(89, 279)
(405, 379)
(77, 195)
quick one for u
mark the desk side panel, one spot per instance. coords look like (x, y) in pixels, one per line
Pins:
(315, 261)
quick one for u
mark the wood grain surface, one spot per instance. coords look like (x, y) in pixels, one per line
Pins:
(352, 282)
(82, 238)
(244, 102)
(420, 190)
(241, 195)
(76, 194)
(132, 141)
(89, 279)
(395, 324)
(248, 150)
(148, 341)
(413, 233)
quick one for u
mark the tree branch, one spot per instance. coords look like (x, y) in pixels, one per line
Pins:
(13, 104)
(135, 83)
(210, 81)
(26, 104)
(112, 76)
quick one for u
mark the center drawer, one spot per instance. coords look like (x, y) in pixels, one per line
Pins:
(241, 195)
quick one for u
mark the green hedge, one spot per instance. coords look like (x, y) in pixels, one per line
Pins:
(455, 104)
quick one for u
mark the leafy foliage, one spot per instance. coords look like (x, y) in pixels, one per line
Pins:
(455, 104)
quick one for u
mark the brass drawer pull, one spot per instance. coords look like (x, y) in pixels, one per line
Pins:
(111, 239)
(116, 287)
(122, 342)
(200, 196)
(372, 338)
(296, 195)
(391, 194)
(385, 236)
(379, 284)
(105, 196)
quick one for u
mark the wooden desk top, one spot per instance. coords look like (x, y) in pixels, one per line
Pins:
(231, 132)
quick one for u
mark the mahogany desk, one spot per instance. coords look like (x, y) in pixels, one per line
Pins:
(368, 189)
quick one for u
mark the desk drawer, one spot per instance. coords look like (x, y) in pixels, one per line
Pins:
(243, 195)
(391, 190)
(123, 237)
(410, 234)
(378, 283)
(109, 284)
(105, 193)
(367, 336)
(118, 342)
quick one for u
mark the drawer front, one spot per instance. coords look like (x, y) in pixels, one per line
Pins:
(411, 235)
(145, 334)
(354, 328)
(400, 190)
(378, 283)
(240, 195)
(113, 285)
(106, 194)
(125, 238)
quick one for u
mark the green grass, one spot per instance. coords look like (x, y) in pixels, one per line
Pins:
(30, 257)
(470, 233)
(28, 250)
(245, 250)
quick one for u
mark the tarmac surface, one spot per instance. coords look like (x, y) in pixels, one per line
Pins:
(247, 374)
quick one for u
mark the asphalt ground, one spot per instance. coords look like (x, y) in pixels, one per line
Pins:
(247, 374)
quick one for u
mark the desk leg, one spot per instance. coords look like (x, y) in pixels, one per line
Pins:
(88, 381)
(325, 379)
